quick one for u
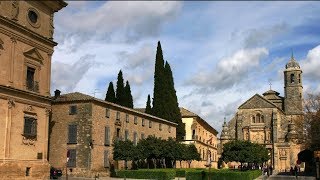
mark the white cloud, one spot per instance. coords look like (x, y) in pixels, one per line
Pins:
(118, 21)
(230, 70)
(65, 77)
(311, 64)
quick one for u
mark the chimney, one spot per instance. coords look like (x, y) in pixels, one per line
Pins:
(56, 93)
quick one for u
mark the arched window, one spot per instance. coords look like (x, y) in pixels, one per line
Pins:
(258, 118)
(253, 119)
(292, 78)
(262, 119)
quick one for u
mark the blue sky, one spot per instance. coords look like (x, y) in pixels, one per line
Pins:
(221, 53)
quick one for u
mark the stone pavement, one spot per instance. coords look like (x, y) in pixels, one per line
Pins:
(285, 177)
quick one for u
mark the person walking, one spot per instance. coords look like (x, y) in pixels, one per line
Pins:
(296, 171)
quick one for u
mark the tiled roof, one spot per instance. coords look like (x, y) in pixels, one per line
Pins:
(186, 113)
(77, 96)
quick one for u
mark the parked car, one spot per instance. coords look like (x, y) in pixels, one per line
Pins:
(55, 173)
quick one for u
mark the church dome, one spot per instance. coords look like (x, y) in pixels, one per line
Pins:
(292, 63)
(271, 92)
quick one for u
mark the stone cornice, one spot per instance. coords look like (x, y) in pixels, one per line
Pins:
(24, 97)
(25, 31)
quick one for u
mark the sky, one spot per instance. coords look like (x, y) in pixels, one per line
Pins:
(221, 53)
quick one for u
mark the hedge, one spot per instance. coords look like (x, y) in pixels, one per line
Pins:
(222, 175)
(161, 174)
(181, 172)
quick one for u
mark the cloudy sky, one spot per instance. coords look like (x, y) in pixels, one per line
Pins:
(221, 53)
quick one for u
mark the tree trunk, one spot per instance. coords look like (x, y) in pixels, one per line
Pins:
(189, 163)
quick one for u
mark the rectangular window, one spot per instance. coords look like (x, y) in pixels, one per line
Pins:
(106, 159)
(73, 109)
(118, 116)
(72, 158)
(135, 138)
(30, 83)
(142, 136)
(107, 112)
(30, 127)
(72, 134)
(150, 124)
(127, 118)
(126, 135)
(135, 120)
(142, 122)
(28, 171)
(39, 156)
(107, 136)
(160, 126)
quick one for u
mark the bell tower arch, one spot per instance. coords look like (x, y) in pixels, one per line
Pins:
(293, 88)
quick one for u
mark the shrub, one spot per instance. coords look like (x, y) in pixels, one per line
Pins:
(161, 174)
(222, 175)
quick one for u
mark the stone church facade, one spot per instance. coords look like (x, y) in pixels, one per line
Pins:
(26, 48)
(270, 119)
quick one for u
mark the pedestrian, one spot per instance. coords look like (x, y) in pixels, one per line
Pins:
(270, 169)
(291, 171)
(296, 171)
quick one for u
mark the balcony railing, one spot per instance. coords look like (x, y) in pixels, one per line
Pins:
(32, 86)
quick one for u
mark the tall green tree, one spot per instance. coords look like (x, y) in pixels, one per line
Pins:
(128, 101)
(191, 153)
(120, 92)
(165, 102)
(159, 89)
(172, 105)
(111, 96)
(148, 106)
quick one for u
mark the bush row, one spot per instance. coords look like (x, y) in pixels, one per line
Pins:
(161, 174)
(190, 174)
(222, 175)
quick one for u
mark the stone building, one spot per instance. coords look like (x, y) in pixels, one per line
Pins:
(86, 127)
(271, 120)
(26, 48)
(203, 136)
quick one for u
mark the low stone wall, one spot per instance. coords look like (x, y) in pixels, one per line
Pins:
(195, 164)
(25, 170)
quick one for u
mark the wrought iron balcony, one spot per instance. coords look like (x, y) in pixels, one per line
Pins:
(32, 85)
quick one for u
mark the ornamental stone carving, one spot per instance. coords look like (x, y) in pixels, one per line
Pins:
(28, 141)
(11, 103)
(28, 108)
(15, 10)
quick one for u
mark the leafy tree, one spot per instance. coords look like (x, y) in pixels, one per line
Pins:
(191, 153)
(120, 92)
(128, 96)
(312, 121)
(244, 152)
(123, 150)
(111, 96)
(148, 106)
(150, 148)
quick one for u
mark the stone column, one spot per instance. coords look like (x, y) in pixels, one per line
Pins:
(8, 129)
(12, 59)
(46, 135)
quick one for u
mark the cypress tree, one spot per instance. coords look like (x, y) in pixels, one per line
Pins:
(128, 96)
(110, 96)
(120, 92)
(172, 106)
(158, 91)
(148, 106)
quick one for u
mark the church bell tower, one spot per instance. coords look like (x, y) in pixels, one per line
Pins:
(293, 88)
